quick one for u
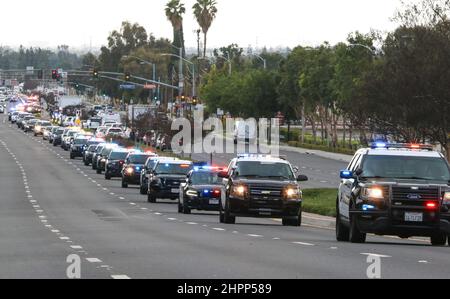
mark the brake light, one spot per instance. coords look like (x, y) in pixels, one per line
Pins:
(415, 146)
(216, 193)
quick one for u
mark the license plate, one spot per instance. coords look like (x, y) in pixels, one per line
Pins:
(414, 217)
(213, 201)
(176, 191)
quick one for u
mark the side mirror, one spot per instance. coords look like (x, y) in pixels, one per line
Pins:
(359, 172)
(347, 175)
(302, 178)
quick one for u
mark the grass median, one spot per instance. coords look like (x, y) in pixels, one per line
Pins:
(320, 201)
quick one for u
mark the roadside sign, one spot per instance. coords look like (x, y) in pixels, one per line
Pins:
(127, 86)
(149, 86)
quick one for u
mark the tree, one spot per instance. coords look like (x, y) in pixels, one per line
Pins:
(174, 13)
(205, 12)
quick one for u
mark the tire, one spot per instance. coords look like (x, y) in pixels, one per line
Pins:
(151, 198)
(180, 208)
(186, 210)
(86, 163)
(297, 222)
(72, 157)
(355, 235)
(342, 232)
(124, 184)
(99, 171)
(449, 240)
(143, 190)
(439, 239)
(107, 177)
(227, 218)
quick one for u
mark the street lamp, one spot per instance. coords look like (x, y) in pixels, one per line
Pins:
(181, 69)
(374, 53)
(260, 58)
(143, 61)
(228, 59)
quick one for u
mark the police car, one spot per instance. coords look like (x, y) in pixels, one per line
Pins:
(261, 186)
(166, 179)
(202, 190)
(394, 189)
(115, 162)
(134, 163)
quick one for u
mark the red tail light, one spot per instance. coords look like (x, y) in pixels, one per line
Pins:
(216, 193)
(431, 205)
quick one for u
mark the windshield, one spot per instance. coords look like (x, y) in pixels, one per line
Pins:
(406, 167)
(100, 149)
(151, 163)
(80, 141)
(118, 156)
(92, 148)
(138, 159)
(273, 170)
(205, 178)
(179, 169)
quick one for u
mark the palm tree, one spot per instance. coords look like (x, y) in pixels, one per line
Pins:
(205, 12)
(174, 12)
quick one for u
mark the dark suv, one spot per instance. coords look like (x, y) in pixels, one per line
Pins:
(166, 179)
(263, 187)
(134, 163)
(115, 162)
(395, 189)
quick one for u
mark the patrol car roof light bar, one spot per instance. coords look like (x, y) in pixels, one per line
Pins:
(261, 156)
(412, 146)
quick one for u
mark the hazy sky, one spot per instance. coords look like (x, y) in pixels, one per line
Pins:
(271, 23)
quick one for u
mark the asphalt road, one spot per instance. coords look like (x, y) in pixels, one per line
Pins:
(52, 207)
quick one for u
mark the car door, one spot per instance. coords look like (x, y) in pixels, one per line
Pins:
(346, 188)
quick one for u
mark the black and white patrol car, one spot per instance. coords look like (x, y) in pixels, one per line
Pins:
(394, 189)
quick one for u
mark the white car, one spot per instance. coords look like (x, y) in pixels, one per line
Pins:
(115, 132)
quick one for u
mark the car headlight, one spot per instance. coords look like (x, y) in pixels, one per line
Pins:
(38, 128)
(103, 160)
(239, 191)
(375, 192)
(447, 198)
(192, 193)
(292, 193)
(129, 170)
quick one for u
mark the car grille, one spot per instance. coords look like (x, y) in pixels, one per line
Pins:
(171, 183)
(266, 197)
(407, 197)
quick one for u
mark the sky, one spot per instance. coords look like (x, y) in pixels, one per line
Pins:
(259, 23)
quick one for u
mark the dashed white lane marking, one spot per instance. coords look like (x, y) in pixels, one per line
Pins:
(121, 198)
(64, 238)
(191, 223)
(132, 204)
(120, 277)
(423, 262)
(144, 209)
(93, 260)
(255, 236)
(303, 243)
(172, 219)
(77, 247)
(55, 231)
(377, 255)
(159, 214)
(276, 239)
(219, 229)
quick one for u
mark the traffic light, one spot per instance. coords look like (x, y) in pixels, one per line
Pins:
(95, 74)
(40, 74)
(194, 101)
(127, 76)
(54, 74)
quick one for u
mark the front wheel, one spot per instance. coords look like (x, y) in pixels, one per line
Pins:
(355, 235)
(186, 210)
(342, 232)
(151, 198)
(227, 218)
(107, 177)
(99, 171)
(296, 222)
(439, 239)
(124, 184)
(143, 190)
